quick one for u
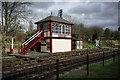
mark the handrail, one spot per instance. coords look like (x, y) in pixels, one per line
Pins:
(30, 38)
(33, 38)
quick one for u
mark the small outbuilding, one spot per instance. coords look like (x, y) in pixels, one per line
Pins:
(77, 44)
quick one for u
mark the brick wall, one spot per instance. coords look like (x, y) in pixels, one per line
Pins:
(7, 49)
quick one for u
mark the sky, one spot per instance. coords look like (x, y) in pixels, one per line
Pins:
(103, 14)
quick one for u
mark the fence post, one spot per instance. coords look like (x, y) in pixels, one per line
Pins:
(114, 56)
(57, 69)
(103, 58)
(87, 63)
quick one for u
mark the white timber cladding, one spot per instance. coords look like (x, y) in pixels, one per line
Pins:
(60, 35)
(43, 46)
(47, 34)
(61, 45)
(79, 45)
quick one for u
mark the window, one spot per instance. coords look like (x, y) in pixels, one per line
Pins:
(46, 27)
(68, 30)
(61, 29)
(41, 27)
(48, 45)
(56, 28)
(53, 28)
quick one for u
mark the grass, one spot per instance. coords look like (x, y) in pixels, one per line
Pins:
(110, 70)
(89, 46)
(103, 44)
(18, 44)
(34, 53)
(86, 46)
(108, 43)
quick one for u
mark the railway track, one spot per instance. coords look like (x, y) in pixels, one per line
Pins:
(16, 63)
(47, 68)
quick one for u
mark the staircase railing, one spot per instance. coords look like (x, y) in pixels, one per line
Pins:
(31, 41)
(31, 38)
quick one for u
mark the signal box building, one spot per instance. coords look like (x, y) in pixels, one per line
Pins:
(57, 35)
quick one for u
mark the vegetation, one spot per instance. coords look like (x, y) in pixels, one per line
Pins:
(115, 35)
(90, 34)
(85, 33)
(118, 28)
(20, 36)
(107, 33)
(89, 46)
(13, 13)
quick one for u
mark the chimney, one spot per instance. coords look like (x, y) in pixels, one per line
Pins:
(51, 13)
(60, 13)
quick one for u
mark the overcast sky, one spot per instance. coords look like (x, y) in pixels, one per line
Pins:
(104, 14)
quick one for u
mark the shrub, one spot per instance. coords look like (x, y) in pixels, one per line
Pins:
(20, 36)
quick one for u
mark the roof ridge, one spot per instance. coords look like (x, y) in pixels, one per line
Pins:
(54, 18)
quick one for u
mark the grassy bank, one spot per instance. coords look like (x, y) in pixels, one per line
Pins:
(110, 70)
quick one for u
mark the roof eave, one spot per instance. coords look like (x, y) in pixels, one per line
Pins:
(53, 21)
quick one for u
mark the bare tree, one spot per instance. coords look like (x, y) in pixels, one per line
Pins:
(68, 18)
(13, 13)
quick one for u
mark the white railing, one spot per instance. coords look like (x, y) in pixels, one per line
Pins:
(31, 38)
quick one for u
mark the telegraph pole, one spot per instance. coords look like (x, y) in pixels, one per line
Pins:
(2, 17)
(2, 26)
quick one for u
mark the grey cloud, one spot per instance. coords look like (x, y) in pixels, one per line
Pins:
(39, 10)
(102, 14)
(43, 5)
(96, 10)
(86, 8)
(108, 11)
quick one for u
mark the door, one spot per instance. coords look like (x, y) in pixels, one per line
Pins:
(38, 47)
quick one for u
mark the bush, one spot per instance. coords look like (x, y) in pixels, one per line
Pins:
(8, 38)
(20, 36)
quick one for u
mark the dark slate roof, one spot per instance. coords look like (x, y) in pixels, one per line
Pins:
(54, 18)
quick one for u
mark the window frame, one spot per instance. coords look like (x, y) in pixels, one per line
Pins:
(61, 28)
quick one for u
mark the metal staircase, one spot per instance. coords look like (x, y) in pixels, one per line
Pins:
(31, 41)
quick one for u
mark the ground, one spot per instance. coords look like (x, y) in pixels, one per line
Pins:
(110, 70)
